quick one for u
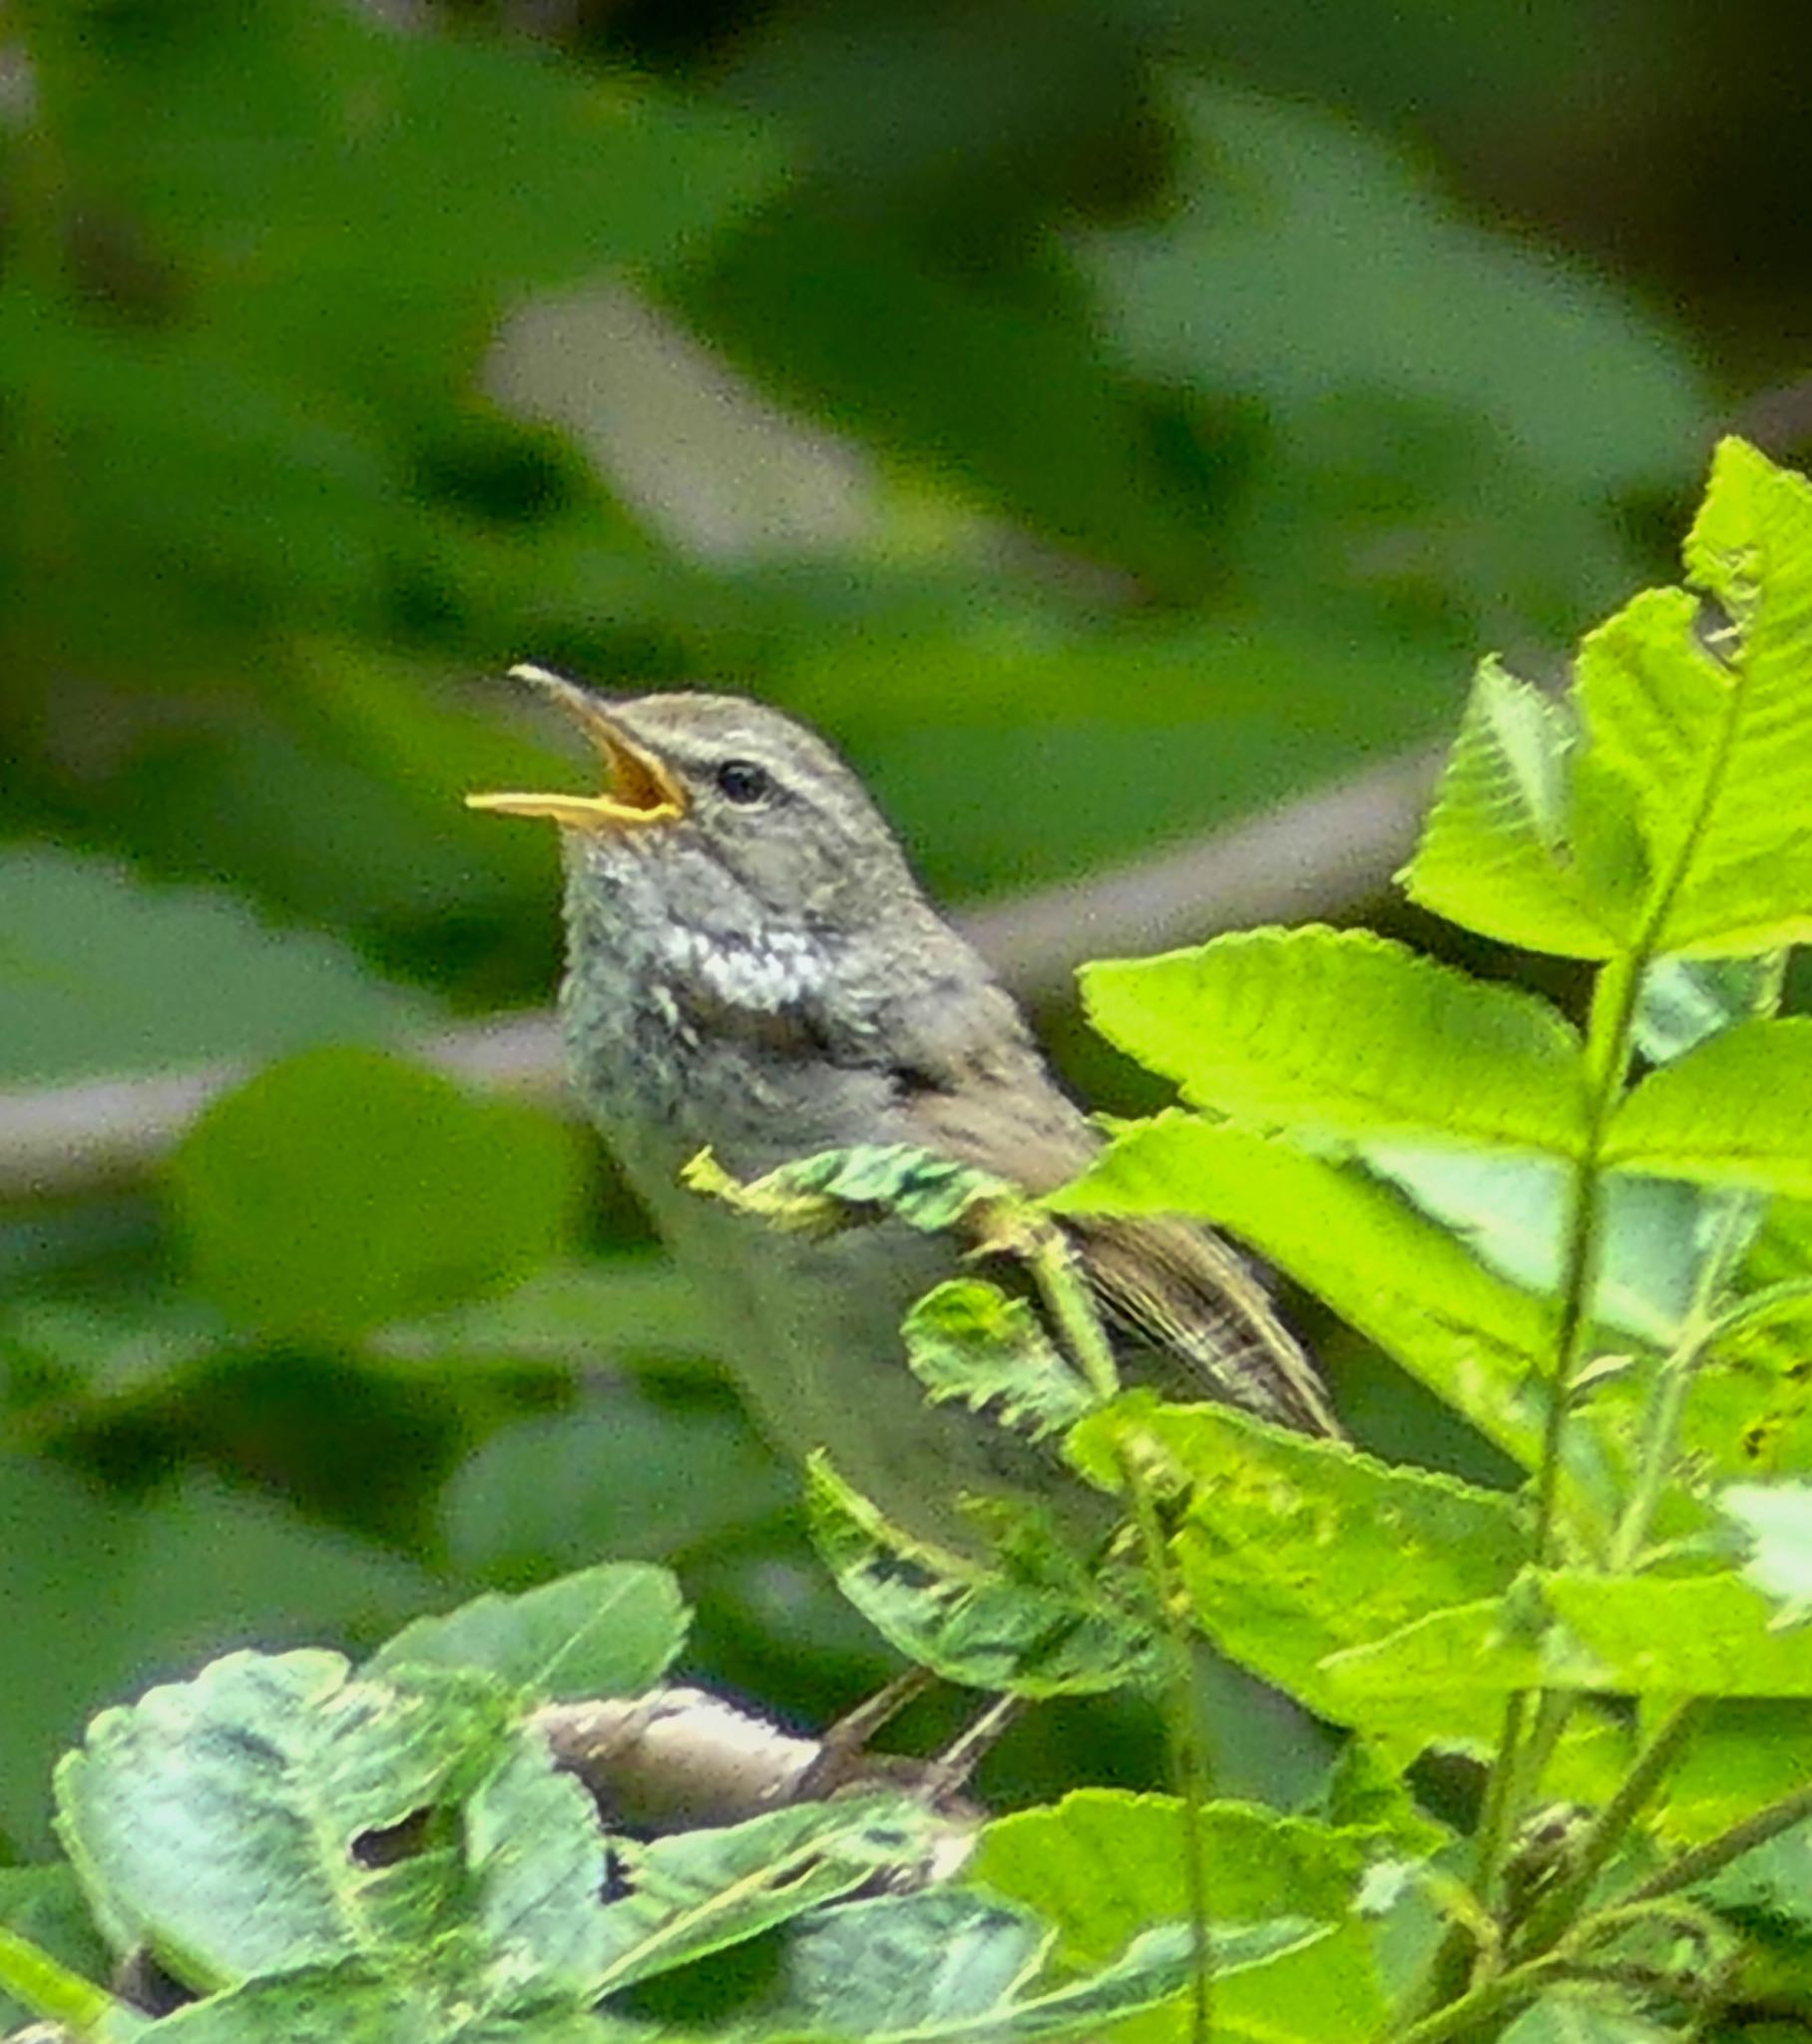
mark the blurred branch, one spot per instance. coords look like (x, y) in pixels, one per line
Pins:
(1317, 855)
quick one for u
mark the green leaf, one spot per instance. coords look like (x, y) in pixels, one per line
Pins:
(1741, 1754)
(608, 1631)
(1052, 1627)
(1709, 1636)
(577, 1315)
(36, 1983)
(344, 1188)
(945, 1965)
(1511, 1212)
(1685, 1001)
(1103, 1864)
(536, 1864)
(845, 1188)
(698, 1892)
(1292, 1549)
(1342, 1033)
(1586, 2015)
(1302, 222)
(186, 1572)
(1719, 742)
(967, 1341)
(215, 1819)
(98, 972)
(1777, 1518)
(347, 2006)
(1494, 855)
(1476, 1342)
(619, 1475)
(1737, 1110)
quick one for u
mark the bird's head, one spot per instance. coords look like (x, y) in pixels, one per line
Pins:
(719, 816)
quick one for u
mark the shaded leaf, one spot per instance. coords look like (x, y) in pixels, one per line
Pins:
(188, 1571)
(215, 1821)
(610, 1631)
(344, 1188)
(1342, 1033)
(1048, 1628)
(697, 1891)
(99, 971)
(1685, 1001)
(968, 1341)
(1511, 1212)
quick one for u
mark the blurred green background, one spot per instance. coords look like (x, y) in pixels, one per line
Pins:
(1109, 422)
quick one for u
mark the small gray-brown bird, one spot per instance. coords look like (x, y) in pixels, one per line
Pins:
(752, 966)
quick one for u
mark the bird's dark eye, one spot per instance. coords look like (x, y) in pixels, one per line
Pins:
(741, 780)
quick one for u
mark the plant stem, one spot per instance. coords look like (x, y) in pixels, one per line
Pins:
(1187, 1763)
(1555, 1913)
(1079, 1326)
(1717, 1853)
(1501, 1996)
(50, 1989)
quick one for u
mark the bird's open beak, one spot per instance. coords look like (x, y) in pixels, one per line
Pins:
(639, 787)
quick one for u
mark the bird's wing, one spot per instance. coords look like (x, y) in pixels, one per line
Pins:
(1183, 1304)
(1197, 1318)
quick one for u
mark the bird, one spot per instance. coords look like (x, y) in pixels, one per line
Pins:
(754, 968)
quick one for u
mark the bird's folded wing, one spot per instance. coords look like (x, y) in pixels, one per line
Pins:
(1178, 1294)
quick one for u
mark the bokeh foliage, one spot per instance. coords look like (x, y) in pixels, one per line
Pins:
(1201, 440)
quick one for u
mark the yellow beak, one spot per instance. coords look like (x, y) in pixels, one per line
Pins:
(639, 787)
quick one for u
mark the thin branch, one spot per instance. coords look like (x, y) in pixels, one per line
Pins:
(1317, 855)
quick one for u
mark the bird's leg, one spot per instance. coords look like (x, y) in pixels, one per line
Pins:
(844, 1747)
(948, 1775)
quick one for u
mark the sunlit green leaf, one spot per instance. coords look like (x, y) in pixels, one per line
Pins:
(1102, 1863)
(44, 1905)
(948, 1966)
(215, 1819)
(1293, 1549)
(1737, 1110)
(1714, 728)
(1479, 1343)
(1710, 1635)
(1494, 853)
(1342, 1033)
